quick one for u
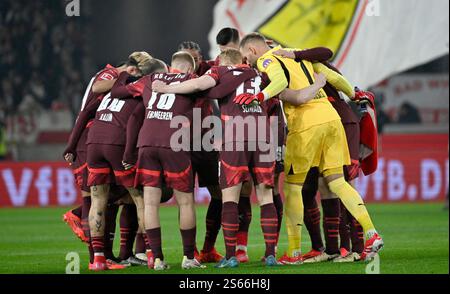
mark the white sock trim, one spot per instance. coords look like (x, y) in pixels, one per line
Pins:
(241, 247)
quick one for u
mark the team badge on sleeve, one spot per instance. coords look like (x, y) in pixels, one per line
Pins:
(107, 77)
(267, 62)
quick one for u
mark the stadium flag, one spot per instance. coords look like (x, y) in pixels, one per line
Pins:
(372, 39)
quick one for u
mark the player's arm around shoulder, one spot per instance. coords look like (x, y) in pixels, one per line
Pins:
(205, 82)
(105, 81)
(270, 65)
(303, 96)
(335, 79)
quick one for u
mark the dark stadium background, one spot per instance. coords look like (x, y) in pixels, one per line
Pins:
(153, 25)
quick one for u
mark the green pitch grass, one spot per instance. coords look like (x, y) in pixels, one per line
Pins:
(416, 241)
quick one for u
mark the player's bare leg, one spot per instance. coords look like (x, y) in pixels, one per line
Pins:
(230, 225)
(188, 228)
(152, 200)
(245, 218)
(355, 205)
(138, 199)
(99, 197)
(269, 222)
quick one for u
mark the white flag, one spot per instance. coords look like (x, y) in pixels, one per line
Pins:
(372, 39)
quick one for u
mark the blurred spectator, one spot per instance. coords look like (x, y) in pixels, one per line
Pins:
(382, 118)
(41, 54)
(3, 149)
(408, 114)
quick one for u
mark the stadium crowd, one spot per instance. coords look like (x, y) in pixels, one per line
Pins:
(43, 50)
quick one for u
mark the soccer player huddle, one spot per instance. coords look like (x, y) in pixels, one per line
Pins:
(136, 144)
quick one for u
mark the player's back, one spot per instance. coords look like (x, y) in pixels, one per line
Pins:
(232, 111)
(109, 126)
(161, 109)
(225, 74)
(107, 73)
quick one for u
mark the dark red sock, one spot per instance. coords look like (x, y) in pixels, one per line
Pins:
(344, 228)
(230, 226)
(140, 246)
(357, 235)
(278, 202)
(110, 229)
(269, 226)
(98, 244)
(85, 225)
(245, 218)
(188, 237)
(312, 219)
(78, 211)
(154, 238)
(128, 228)
(213, 223)
(147, 243)
(331, 211)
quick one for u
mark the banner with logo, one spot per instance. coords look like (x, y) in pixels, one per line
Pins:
(426, 92)
(412, 168)
(37, 184)
(372, 39)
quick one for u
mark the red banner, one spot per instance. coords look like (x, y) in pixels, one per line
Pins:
(37, 184)
(412, 168)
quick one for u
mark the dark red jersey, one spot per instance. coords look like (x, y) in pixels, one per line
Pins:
(110, 124)
(108, 73)
(343, 109)
(161, 109)
(238, 117)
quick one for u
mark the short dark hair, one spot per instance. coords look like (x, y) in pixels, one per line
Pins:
(251, 38)
(190, 45)
(227, 35)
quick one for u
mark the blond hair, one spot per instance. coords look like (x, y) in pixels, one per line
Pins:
(230, 56)
(140, 59)
(183, 57)
(154, 66)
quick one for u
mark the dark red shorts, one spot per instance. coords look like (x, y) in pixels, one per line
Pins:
(80, 171)
(241, 166)
(105, 166)
(353, 138)
(156, 166)
(205, 165)
(116, 193)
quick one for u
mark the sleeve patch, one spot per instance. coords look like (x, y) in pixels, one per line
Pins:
(106, 77)
(267, 62)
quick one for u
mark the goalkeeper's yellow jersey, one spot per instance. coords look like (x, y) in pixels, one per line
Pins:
(299, 76)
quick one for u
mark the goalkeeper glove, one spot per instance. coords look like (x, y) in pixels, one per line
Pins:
(364, 97)
(246, 98)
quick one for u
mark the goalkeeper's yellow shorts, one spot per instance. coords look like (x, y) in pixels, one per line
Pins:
(323, 146)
